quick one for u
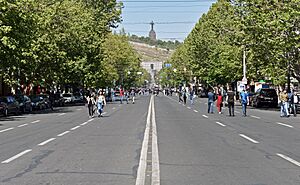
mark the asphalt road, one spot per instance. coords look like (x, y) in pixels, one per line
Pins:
(65, 147)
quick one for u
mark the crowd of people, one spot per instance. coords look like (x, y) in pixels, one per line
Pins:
(222, 97)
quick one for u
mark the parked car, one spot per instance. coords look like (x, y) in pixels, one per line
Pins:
(3, 108)
(69, 98)
(24, 102)
(9, 105)
(38, 102)
(265, 97)
(78, 98)
(59, 100)
(46, 100)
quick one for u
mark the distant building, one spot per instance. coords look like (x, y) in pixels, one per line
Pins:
(153, 67)
(152, 33)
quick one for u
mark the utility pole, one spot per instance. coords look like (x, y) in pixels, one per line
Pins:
(244, 80)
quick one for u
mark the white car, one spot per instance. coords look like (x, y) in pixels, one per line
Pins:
(69, 98)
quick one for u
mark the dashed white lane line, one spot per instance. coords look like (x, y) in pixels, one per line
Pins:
(256, 117)
(195, 111)
(6, 129)
(64, 133)
(249, 139)
(114, 108)
(283, 124)
(61, 114)
(289, 159)
(74, 128)
(78, 109)
(47, 141)
(82, 124)
(23, 125)
(189, 107)
(16, 156)
(221, 124)
(90, 120)
(36, 121)
(205, 116)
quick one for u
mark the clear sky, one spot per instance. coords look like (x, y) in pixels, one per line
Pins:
(174, 18)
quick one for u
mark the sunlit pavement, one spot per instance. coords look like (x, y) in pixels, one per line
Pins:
(68, 147)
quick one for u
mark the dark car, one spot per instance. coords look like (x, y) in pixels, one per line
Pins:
(59, 100)
(38, 102)
(265, 97)
(9, 105)
(24, 102)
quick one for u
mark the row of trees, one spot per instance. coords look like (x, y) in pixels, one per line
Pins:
(267, 30)
(52, 42)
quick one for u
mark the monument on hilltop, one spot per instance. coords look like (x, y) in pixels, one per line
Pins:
(152, 33)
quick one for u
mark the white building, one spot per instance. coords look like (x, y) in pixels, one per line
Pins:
(153, 67)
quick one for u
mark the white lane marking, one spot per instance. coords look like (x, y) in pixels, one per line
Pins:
(289, 159)
(141, 172)
(78, 109)
(74, 128)
(255, 117)
(155, 180)
(249, 139)
(221, 124)
(114, 108)
(47, 141)
(286, 125)
(36, 121)
(16, 156)
(195, 111)
(61, 114)
(84, 123)
(90, 120)
(205, 116)
(189, 107)
(64, 133)
(6, 129)
(23, 125)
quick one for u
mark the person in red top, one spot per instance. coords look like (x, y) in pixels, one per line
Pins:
(121, 94)
(220, 103)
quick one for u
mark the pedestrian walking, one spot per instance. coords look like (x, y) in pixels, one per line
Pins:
(121, 95)
(244, 101)
(191, 96)
(283, 97)
(101, 102)
(230, 99)
(133, 95)
(295, 103)
(180, 96)
(184, 96)
(220, 102)
(90, 105)
(211, 99)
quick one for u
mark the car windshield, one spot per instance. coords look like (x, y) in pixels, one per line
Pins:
(67, 95)
(268, 92)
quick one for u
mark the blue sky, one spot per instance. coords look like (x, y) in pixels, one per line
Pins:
(175, 18)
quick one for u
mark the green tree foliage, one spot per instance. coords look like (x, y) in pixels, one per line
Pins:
(52, 42)
(267, 30)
